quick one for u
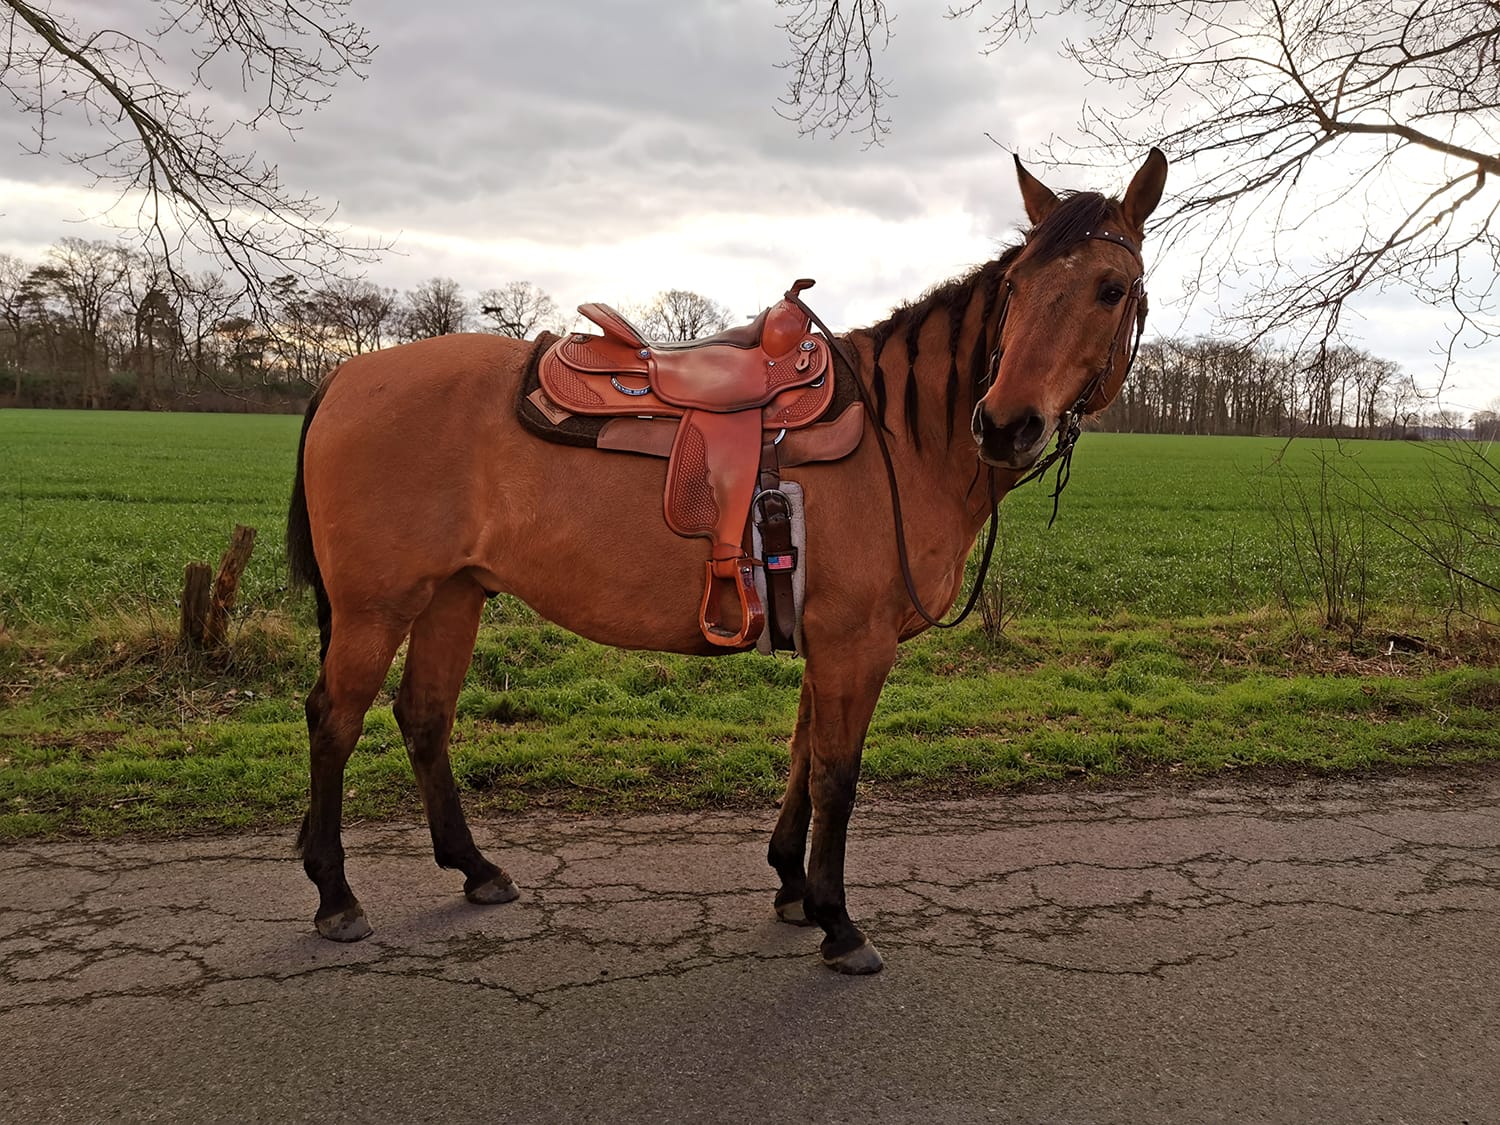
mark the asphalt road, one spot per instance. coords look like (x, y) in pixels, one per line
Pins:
(1308, 953)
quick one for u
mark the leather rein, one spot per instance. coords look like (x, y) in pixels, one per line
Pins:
(1069, 429)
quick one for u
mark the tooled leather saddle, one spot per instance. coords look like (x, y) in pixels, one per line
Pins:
(734, 395)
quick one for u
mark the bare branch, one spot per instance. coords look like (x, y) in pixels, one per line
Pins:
(1294, 120)
(159, 148)
(833, 85)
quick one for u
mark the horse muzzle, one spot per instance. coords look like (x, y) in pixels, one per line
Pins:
(1015, 444)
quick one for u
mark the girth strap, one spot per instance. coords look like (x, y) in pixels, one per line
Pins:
(773, 515)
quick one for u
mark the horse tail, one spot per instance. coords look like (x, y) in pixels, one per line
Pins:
(300, 557)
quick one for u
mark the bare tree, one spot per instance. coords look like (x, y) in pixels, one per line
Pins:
(434, 308)
(519, 309)
(1294, 121)
(88, 276)
(358, 312)
(205, 302)
(296, 332)
(159, 144)
(13, 275)
(680, 314)
(151, 314)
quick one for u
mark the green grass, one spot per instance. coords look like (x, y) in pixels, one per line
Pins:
(1165, 525)
(1143, 648)
(122, 737)
(101, 511)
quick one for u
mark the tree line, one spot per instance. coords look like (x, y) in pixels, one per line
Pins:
(1218, 386)
(97, 325)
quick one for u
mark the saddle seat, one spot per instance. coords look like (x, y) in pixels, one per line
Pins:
(617, 327)
(733, 395)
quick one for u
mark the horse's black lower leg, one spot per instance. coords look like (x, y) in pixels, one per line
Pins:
(352, 673)
(843, 699)
(452, 843)
(789, 840)
(442, 642)
(339, 916)
(845, 947)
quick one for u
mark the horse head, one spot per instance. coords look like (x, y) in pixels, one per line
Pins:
(1074, 297)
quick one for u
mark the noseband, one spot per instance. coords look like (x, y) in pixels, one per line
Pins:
(1070, 426)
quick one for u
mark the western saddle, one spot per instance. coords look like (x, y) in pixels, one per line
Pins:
(734, 396)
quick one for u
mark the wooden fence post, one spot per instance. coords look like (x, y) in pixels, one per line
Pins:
(227, 585)
(196, 581)
(207, 601)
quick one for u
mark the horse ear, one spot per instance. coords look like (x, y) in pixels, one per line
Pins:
(1037, 197)
(1144, 192)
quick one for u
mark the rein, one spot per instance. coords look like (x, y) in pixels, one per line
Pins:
(1067, 434)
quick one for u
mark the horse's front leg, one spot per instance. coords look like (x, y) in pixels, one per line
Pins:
(844, 688)
(788, 849)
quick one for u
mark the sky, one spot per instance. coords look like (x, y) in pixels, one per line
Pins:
(610, 149)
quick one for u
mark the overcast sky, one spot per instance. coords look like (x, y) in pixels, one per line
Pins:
(606, 150)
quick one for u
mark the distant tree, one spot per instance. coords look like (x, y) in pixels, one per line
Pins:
(13, 274)
(519, 309)
(206, 301)
(144, 94)
(295, 329)
(88, 276)
(359, 314)
(155, 328)
(246, 343)
(434, 308)
(680, 314)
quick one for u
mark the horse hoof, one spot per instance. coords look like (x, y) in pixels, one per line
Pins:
(346, 925)
(792, 913)
(493, 891)
(860, 961)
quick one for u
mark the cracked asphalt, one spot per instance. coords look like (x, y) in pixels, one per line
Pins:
(1323, 951)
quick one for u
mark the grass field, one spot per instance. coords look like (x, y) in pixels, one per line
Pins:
(100, 512)
(1148, 643)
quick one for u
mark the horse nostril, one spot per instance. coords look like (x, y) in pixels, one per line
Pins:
(978, 424)
(1030, 431)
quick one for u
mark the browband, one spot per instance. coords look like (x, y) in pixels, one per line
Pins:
(1117, 239)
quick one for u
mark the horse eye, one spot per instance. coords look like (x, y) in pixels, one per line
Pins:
(1111, 294)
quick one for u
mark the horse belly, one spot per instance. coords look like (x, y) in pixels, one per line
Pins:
(589, 549)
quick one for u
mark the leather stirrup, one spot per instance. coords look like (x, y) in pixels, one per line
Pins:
(741, 572)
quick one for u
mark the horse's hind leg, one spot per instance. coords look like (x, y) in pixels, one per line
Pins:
(789, 841)
(354, 666)
(442, 644)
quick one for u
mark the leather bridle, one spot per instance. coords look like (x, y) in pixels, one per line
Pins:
(1070, 426)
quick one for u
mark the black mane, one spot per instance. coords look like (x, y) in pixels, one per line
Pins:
(1076, 214)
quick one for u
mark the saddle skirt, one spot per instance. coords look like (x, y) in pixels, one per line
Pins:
(733, 396)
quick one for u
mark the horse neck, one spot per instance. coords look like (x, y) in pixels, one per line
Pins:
(924, 366)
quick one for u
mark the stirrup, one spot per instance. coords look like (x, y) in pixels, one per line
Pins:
(740, 571)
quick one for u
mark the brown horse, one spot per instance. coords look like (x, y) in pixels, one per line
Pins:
(418, 494)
